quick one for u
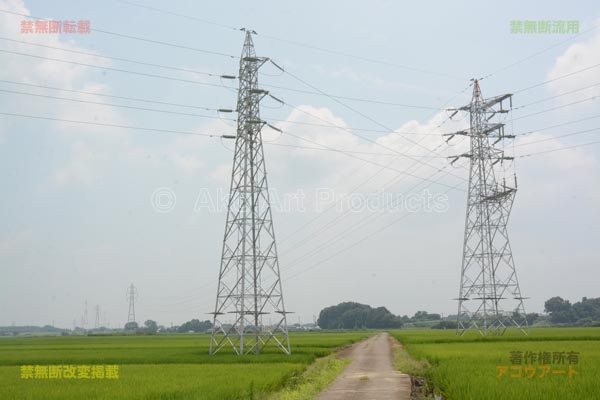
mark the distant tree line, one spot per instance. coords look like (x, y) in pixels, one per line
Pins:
(582, 313)
(351, 315)
(195, 325)
(151, 327)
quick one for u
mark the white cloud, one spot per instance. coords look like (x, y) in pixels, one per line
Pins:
(2, 123)
(80, 167)
(221, 174)
(555, 174)
(577, 57)
(576, 158)
(366, 79)
(189, 154)
(325, 168)
(15, 241)
(36, 71)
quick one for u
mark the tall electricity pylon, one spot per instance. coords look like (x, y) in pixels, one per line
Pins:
(132, 296)
(84, 317)
(489, 300)
(97, 322)
(249, 280)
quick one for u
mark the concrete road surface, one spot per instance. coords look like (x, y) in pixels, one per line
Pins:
(370, 375)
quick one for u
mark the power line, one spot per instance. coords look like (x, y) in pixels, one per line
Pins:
(352, 173)
(113, 105)
(108, 95)
(346, 231)
(224, 76)
(319, 92)
(196, 49)
(417, 133)
(358, 242)
(171, 131)
(164, 77)
(558, 125)
(233, 119)
(191, 17)
(165, 43)
(359, 99)
(539, 52)
(558, 149)
(405, 172)
(363, 115)
(337, 52)
(557, 137)
(394, 180)
(334, 150)
(202, 108)
(110, 125)
(117, 69)
(558, 78)
(325, 148)
(557, 108)
(365, 220)
(121, 59)
(202, 116)
(556, 96)
(321, 49)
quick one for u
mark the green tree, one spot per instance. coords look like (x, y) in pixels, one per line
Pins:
(151, 326)
(350, 315)
(425, 316)
(560, 310)
(131, 326)
(195, 325)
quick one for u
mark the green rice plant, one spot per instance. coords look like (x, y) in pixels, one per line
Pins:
(465, 368)
(168, 367)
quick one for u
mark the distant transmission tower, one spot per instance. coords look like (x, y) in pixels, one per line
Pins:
(97, 323)
(249, 280)
(132, 296)
(489, 300)
(84, 317)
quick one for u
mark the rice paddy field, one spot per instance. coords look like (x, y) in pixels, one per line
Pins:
(155, 367)
(179, 366)
(555, 363)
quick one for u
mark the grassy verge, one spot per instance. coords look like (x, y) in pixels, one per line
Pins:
(313, 380)
(408, 365)
(418, 369)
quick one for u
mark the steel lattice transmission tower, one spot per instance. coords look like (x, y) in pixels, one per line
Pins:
(490, 299)
(249, 281)
(132, 296)
(97, 322)
(84, 317)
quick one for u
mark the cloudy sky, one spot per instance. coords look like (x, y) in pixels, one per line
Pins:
(83, 212)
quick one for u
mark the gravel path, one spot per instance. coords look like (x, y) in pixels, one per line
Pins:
(371, 374)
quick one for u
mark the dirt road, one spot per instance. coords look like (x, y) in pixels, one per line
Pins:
(370, 375)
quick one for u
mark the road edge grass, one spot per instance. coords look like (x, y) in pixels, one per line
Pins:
(422, 386)
(316, 377)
